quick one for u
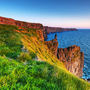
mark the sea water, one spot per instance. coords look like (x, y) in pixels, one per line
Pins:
(80, 38)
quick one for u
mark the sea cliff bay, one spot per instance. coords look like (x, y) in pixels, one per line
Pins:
(71, 56)
(80, 38)
(29, 61)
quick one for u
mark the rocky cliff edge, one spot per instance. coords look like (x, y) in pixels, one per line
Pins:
(71, 56)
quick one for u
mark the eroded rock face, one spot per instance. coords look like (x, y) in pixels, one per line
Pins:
(47, 30)
(72, 58)
(69, 29)
(10, 21)
(44, 33)
(39, 26)
(22, 24)
(40, 33)
(53, 46)
(58, 29)
(53, 29)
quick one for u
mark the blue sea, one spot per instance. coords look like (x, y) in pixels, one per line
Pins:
(80, 38)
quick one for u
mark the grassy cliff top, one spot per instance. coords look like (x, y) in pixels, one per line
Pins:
(19, 70)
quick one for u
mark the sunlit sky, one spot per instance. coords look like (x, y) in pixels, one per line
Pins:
(55, 13)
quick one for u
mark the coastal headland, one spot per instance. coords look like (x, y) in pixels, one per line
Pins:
(71, 56)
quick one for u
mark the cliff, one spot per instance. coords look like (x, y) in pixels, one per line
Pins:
(20, 70)
(58, 29)
(21, 25)
(69, 29)
(52, 29)
(10, 21)
(53, 46)
(55, 29)
(45, 29)
(44, 33)
(71, 56)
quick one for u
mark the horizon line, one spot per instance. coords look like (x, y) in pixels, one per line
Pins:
(42, 23)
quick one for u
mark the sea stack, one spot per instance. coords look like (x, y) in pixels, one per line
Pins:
(71, 56)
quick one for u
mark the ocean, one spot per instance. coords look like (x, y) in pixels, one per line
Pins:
(80, 38)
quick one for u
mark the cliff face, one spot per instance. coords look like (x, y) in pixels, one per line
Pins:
(10, 21)
(72, 58)
(58, 29)
(52, 29)
(22, 24)
(40, 33)
(53, 46)
(44, 33)
(69, 29)
(47, 30)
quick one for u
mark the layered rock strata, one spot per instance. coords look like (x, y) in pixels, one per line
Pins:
(55, 29)
(53, 46)
(71, 56)
(10, 21)
(21, 24)
(45, 29)
(69, 29)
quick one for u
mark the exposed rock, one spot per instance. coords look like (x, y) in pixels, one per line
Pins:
(44, 33)
(53, 29)
(58, 29)
(10, 21)
(23, 49)
(36, 58)
(69, 29)
(53, 46)
(55, 36)
(22, 24)
(40, 33)
(47, 30)
(88, 80)
(72, 58)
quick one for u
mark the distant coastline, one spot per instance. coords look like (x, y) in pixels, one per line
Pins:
(48, 30)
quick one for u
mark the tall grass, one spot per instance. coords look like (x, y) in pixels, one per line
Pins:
(19, 72)
(10, 41)
(36, 75)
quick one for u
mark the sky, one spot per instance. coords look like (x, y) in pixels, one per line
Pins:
(54, 13)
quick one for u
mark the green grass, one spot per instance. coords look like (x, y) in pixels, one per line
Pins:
(36, 75)
(19, 72)
(10, 42)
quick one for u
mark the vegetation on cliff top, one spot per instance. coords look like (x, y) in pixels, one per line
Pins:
(18, 70)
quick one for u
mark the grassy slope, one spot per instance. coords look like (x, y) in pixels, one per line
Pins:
(10, 42)
(36, 75)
